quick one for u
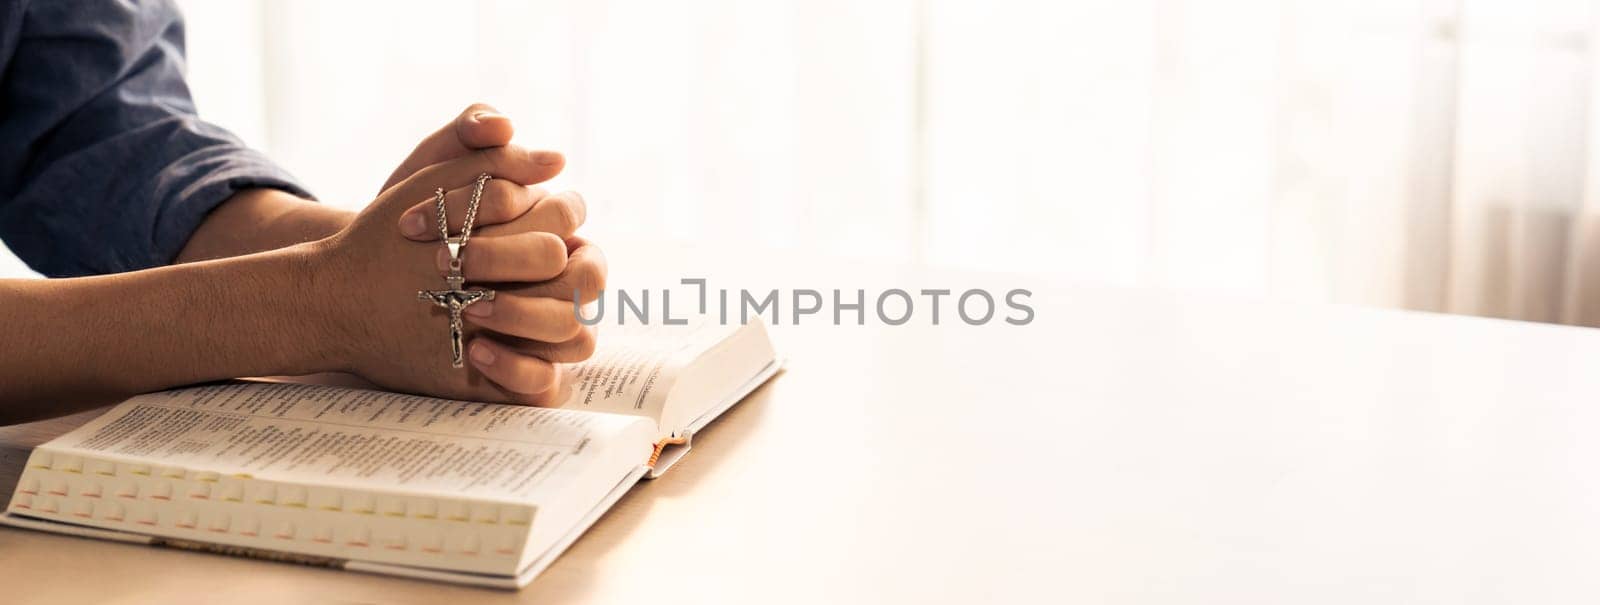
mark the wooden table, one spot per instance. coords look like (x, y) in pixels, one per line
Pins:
(1127, 447)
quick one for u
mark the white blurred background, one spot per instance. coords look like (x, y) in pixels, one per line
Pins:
(1424, 154)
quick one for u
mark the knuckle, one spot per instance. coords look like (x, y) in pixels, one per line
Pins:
(532, 377)
(567, 213)
(522, 383)
(503, 188)
(588, 279)
(504, 196)
(556, 216)
(564, 325)
(579, 205)
(553, 249)
(581, 346)
(493, 160)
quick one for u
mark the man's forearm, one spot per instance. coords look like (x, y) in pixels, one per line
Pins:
(80, 342)
(258, 220)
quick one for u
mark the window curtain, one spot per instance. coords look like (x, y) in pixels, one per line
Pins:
(1421, 154)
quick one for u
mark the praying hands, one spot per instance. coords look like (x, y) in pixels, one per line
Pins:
(523, 247)
(272, 284)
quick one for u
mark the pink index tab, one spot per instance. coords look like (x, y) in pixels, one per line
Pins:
(359, 538)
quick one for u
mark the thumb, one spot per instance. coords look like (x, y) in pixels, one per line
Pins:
(479, 126)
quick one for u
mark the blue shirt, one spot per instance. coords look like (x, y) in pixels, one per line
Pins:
(104, 165)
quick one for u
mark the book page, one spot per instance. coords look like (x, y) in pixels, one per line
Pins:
(635, 366)
(349, 438)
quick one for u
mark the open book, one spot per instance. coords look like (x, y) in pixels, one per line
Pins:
(474, 493)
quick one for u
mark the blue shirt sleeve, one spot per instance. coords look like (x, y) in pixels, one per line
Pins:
(104, 165)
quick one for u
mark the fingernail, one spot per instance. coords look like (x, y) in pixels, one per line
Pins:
(441, 259)
(481, 308)
(480, 116)
(482, 354)
(413, 225)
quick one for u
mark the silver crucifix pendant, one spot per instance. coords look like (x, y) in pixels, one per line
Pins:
(455, 299)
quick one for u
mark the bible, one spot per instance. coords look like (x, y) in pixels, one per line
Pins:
(365, 480)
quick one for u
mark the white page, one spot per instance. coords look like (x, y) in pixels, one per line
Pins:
(635, 366)
(348, 438)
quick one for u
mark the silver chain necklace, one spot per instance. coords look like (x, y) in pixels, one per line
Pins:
(456, 298)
